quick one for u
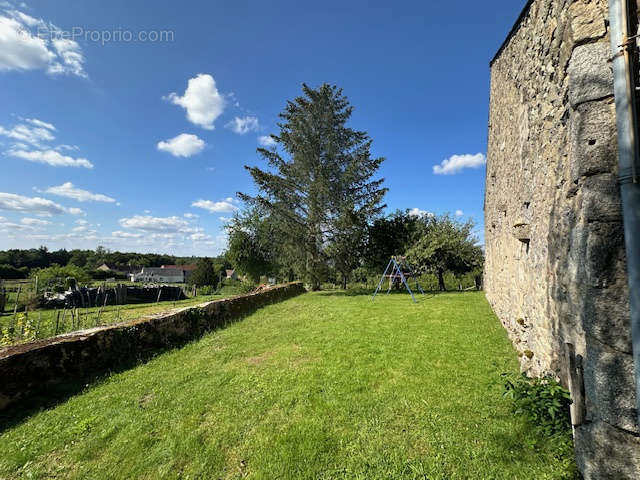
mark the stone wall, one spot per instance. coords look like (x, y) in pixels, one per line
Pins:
(35, 368)
(555, 261)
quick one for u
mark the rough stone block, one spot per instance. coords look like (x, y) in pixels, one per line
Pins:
(610, 386)
(522, 232)
(593, 144)
(590, 74)
(601, 198)
(587, 20)
(607, 453)
(604, 254)
(605, 315)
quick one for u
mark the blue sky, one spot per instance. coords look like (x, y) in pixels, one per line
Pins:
(127, 123)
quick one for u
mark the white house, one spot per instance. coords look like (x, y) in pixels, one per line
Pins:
(158, 275)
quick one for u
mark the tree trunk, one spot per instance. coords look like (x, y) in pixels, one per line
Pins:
(441, 286)
(344, 281)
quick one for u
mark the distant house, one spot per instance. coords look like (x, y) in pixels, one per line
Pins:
(159, 275)
(117, 268)
(187, 269)
(231, 274)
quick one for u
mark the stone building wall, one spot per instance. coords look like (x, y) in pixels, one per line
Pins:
(555, 260)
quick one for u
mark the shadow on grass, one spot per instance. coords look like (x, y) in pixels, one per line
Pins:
(354, 292)
(54, 395)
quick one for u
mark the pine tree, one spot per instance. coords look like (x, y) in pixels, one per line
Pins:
(320, 179)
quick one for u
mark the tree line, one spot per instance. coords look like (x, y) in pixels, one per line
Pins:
(20, 263)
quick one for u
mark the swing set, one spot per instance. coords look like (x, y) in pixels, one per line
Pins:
(400, 272)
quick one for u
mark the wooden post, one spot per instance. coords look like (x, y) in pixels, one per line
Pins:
(576, 385)
(106, 295)
(3, 297)
(15, 307)
(57, 321)
(64, 314)
(159, 293)
(26, 317)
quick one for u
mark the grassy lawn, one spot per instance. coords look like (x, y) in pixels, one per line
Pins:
(321, 386)
(47, 323)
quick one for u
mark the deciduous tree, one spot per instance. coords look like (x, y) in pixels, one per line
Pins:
(446, 245)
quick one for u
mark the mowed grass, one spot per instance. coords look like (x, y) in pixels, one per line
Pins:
(321, 386)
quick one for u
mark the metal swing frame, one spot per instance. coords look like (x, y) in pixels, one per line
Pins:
(396, 272)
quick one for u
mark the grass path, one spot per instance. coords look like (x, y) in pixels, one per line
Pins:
(323, 386)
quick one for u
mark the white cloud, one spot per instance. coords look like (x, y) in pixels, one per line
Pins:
(68, 190)
(28, 43)
(184, 145)
(224, 219)
(191, 215)
(8, 227)
(34, 134)
(202, 101)
(67, 147)
(34, 222)
(70, 55)
(242, 125)
(29, 143)
(40, 123)
(75, 211)
(459, 213)
(266, 141)
(121, 234)
(35, 205)
(154, 224)
(456, 163)
(199, 237)
(416, 212)
(215, 207)
(50, 157)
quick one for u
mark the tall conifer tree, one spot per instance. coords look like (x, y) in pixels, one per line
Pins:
(320, 185)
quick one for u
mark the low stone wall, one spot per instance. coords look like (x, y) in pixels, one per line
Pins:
(29, 369)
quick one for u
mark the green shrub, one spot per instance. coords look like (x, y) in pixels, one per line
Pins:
(57, 275)
(543, 401)
(247, 286)
(206, 290)
(545, 405)
(11, 272)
